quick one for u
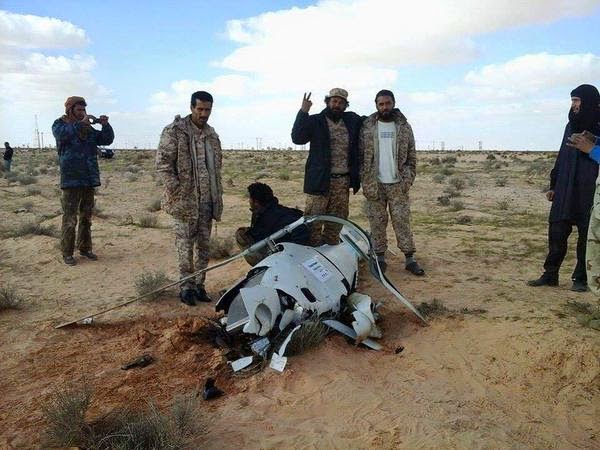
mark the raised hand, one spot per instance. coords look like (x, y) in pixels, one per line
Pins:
(306, 103)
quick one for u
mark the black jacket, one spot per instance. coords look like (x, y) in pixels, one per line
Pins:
(274, 217)
(8, 153)
(314, 129)
(573, 180)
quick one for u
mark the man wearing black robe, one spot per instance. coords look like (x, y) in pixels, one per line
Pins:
(572, 185)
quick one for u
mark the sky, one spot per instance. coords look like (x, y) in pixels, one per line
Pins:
(463, 71)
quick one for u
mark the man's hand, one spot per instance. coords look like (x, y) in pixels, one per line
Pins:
(88, 119)
(306, 103)
(582, 142)
(550, 195)
(103, 120)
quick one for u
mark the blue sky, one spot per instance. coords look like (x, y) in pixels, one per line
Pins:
(500, 72)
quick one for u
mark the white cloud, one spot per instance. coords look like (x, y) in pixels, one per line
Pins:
(530, 73)
(32, 82)
(27, 31)
(379, 33)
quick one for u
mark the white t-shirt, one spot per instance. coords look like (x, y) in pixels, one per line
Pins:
(386, 132)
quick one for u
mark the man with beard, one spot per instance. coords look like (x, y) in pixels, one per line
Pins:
(572, 185)
(388, 166)
(332, 165)
(189, 160)
(77, 144)
(268, 217)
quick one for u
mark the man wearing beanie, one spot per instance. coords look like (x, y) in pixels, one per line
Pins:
(332, 165)
(388, 166)
(572, 185)
(77, 145)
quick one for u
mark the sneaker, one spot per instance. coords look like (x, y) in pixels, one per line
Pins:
(188, 296)
(69, 260)
(201, 295)
(544, 280)
(415, 269)
(89, 255)
(579, 286)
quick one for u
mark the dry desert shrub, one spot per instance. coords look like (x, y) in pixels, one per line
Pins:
(122, 429)
(456, 205)
(310, 334)
(148, 281)
(449, 160)
(148, 221)
(434, 309)
(24, 179)
(284, 175)
(501, 181)
(438, 178)
(221, 247)
(11, 176)
(131, 177)
(65, 415)
(35, 228)
(33, 191)
(503, 204)
(154, 205)
(9, 298)
(443, 200)
(457, 183)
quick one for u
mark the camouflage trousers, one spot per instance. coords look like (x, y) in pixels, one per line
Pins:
(334, 203)
(192, 244)
(77, 206)
(592, 254)
(390, 197)
(244, 240)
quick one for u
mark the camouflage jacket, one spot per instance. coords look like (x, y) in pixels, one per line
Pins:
(405, 154)
(77, 147)
(184, 191)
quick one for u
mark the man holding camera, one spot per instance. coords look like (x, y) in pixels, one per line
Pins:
(77, 145)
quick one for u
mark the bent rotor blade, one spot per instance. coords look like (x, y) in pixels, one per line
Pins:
(371, 259)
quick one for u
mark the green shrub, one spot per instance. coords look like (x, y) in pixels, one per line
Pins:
(150, 281)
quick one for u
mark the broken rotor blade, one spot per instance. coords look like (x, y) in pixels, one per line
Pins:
(156, 291)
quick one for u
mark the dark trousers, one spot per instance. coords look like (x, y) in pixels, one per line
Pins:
(558, 234)
(77, 205)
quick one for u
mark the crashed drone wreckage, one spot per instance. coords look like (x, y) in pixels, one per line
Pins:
(295, 284)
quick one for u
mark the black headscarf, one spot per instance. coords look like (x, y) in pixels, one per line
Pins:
(588, 117)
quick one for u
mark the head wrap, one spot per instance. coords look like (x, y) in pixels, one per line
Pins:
(589, 112)
(69, 103)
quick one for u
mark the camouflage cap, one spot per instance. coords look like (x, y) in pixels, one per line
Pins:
(338, 92)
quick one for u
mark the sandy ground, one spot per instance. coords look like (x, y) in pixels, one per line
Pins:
(520, 373)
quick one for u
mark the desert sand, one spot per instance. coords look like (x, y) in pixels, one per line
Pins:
(508, 367)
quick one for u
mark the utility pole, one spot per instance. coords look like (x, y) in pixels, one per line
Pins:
(42, 139)
(480, 145)
(37, 132)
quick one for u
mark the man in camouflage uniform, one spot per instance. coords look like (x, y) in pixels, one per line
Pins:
(388, 168)
(77, 145)
(189, 159)
(332, 165)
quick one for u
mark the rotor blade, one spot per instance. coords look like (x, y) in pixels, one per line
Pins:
(156, 291)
